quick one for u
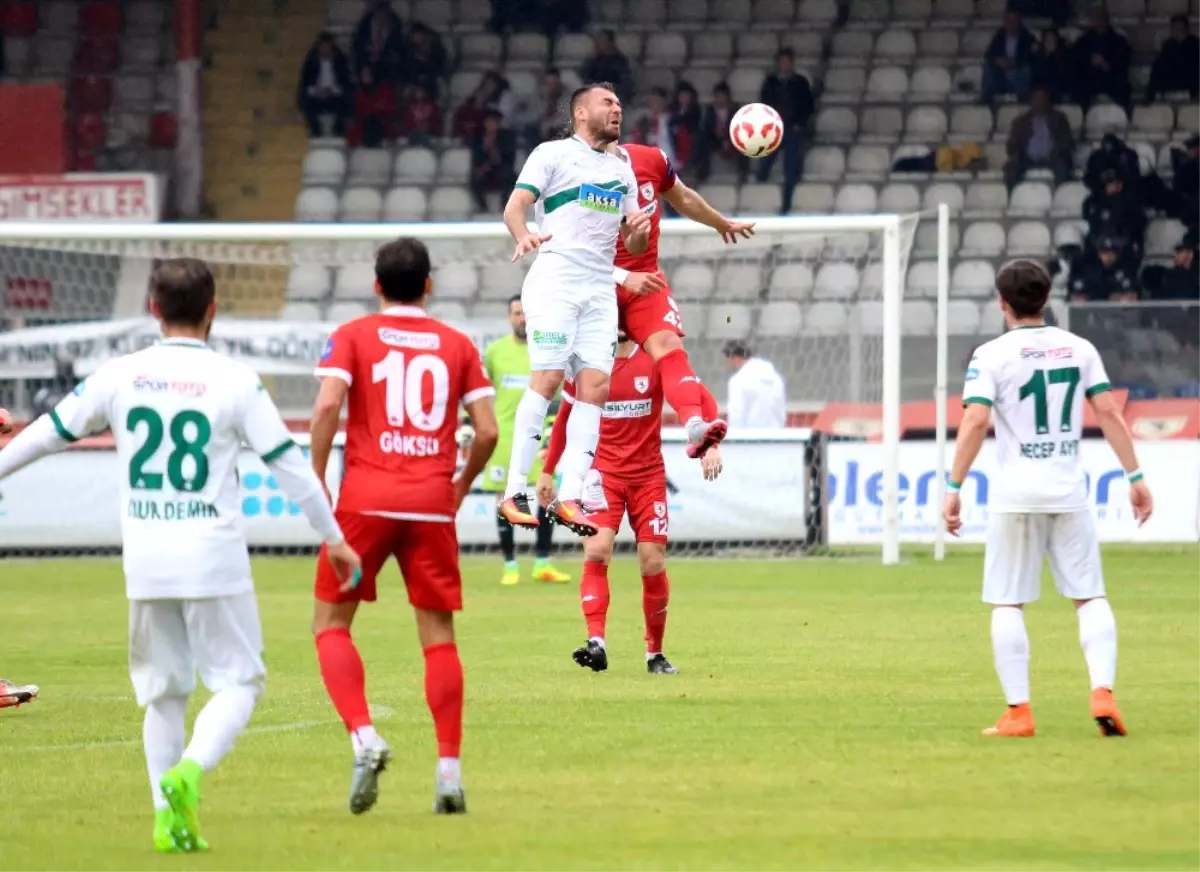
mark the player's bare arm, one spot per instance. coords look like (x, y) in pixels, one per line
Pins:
(639, 282)
(1117, 435)
(327, 410)
(635, 232)
(691, 205)
(711, 463)
(6, 422)
(515, 211)
(971, 433)
(487, 433)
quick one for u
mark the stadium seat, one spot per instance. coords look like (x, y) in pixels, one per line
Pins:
(52, 57)
(973, 278)
(299, 311)
(886, 85)
(347, 310)
(140, 53)
(455, 281)
(1068, 200)
(1187, 119)
(630, 45)
(454, 166)
(824, 163)
(812, 199)
(658, 77)
(489, 311)
(692, 281)
(734, 14)
(855, 198)
(991, 319)
(745, 84)
(703, 79)
(528, 51)
(926, 243)
(971, 122)
(667, 49)
(1070, 232)
(415, 166)
(756, 46)
(369, 166)
(1152, 122)
(912, 10)
(836, 124)
(836, 281)
(953, 10)
(500, 284)
(930, 85)
(463, 83)
(729, 321)
(899, 197)
(896, 46)
(1162, 235)
(693, 318)
(817, 13)
(308, 282)
(873, 13)
(572, 49)
(355, 281)
(922, 279)
(648, 15)
(791, 281)
(962, 318)
(450, 204)
(809, 45)
(882, 124)
(739, 281)
(1147, 156)
(760, 199)
(59, 18)
(689, 14)
(483, 51)
(983, 239)
(985, 200)
(1105, 118)
(711, 49)
(917, 318)
(438, 14)
(845, 84)
(825, 319)
(316, 204)
(867, 163)
(925, 124)
(773, 14)
(1030, 199)
(404, 204)
(780, 319)
(950, 193)
(850, 47)
(447, 310)
(936, 44)
(723, 198)
(1028, 239)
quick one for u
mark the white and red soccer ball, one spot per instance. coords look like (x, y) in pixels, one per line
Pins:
(756, 130)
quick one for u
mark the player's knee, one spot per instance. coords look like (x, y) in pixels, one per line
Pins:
(591, 386)
(597, 552)
(663, 343)
(546, 382)
(652, 558)
(434, 627)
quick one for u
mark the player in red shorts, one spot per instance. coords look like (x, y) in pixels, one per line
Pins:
(631, 470)
(652, 318)
(404, 375)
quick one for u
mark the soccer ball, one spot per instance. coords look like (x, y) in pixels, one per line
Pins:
(756, 130)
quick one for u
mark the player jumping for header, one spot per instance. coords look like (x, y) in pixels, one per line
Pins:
(585, 200)
(1035, 379)
(180, 414)
(651, 318)
(404, 376)
(631, 470)
(12, 694)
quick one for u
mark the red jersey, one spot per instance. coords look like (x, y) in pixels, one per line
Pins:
(408, 375)
(654, 174)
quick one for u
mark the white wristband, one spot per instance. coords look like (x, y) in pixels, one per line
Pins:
(620, 275)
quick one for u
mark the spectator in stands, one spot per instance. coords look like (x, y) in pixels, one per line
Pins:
(653, 124)
(1052, 67)
(1104, 274)
(325, 86)
(1040, 137)
(757, 400)
(1102, 63)
(1177, 67)
(1116, 211)
(790, 94)
(424, 61)
(493, 156)
(1007, 62)
(685, 125)
(607, 64)
(378, 40)
(1186, 184)
(421, 119)
(467, 122)
(552, 96)
(1182, 281)
(563, 16)
(714, 135)
(374, 110)
(1115, 155)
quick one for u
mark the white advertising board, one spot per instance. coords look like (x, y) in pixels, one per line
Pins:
(90, 197)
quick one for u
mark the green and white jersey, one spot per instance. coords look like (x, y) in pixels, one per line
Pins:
(1035, 379)
(179, 414)
(582, 196)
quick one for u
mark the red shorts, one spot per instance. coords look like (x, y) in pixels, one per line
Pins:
(643, 315)
(646, 503)
(427, 552)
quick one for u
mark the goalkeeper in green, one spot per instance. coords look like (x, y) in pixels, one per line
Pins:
(507, 364)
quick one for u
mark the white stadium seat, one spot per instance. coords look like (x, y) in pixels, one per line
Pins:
(1030, 199)
(1068, 200)
(454, 166)
(308, 282)
(922, 279)
(868, 162)
(836, 124)
(985, 199)
(791, 281)
(450, 204)
(1162, 235)
(825, 319)
(340, 313)
(739, 281)
(973, 278)
(323, 166)
(886, 85)
(845, 84)
(917, 318)
(983, 239)
(780, 318)
(711, 48)
(760, 199)
(937, 44)
(483, 51)
(447, 310)
(667, 49)
(1105, 118)
(756, 46)
(404, 204)
(773, 13)
(881, 124)
(355, 281)
(812, 199)
(316, 204)
(896, 45)
(309, 312)
(962, 318)
(415, 166)
(1028, 239)
(972, 122)
(729, 321)
(692, 281)
(369, 166)
(723, 198)
(455, 281)
(572, 49)
(836, 281)
(930, 84)
(855, 199)
(950, 193)
(688, 13)
(824, 163)
(528, 51)
(1153, 122)
(926, 124)
(899, 197)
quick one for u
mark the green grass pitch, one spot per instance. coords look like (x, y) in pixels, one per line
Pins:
(827, 716)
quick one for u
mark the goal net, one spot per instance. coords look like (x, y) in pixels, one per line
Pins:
(819, 297)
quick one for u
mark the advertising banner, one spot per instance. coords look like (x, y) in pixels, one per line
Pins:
(91, 197)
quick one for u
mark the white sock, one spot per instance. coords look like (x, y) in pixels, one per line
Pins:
(599, 640)
(449, 769)
(650, 655)
(527, 439)
(583, 435)
(362, 738)
(1010, 644)
(163, 733)
(219, 724)
(1098, 638)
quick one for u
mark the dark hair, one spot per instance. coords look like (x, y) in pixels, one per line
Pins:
(182, 290)
(610, 35)
(1181, 19)
(515, 298)
(721, 86)
(736, 348)
(402, 270)
(552, 71)
(1025, 286)
(579, 92)
(326, 36)
(785, 52)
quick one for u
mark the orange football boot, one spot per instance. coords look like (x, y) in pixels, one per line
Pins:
(571, 514)
(16, 694)
(517, 511)
(1104, 710)
(1015, 723)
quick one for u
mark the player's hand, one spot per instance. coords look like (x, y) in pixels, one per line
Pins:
(951, 513)
(528, 244)
(1142, 502)
(462, 487)
(6, 422)
(638, 224)
(733, 229)
(545, 489)
(346, 563)
(644, 283)
(711, 463)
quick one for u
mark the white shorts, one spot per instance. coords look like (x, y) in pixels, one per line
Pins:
(1016, 544)
(570, 316)
(171, 640)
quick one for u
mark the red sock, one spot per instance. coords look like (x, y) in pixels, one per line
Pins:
(656, 591)
(345, 680)
(444, 694)
(593, 596)
(680, 385)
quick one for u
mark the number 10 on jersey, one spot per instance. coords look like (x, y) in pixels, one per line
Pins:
(404, 397)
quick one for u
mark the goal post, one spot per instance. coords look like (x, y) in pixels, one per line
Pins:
(844, 274)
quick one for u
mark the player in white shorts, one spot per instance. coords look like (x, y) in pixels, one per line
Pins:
(585, 197)
(180, 414)
(1035, 378)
